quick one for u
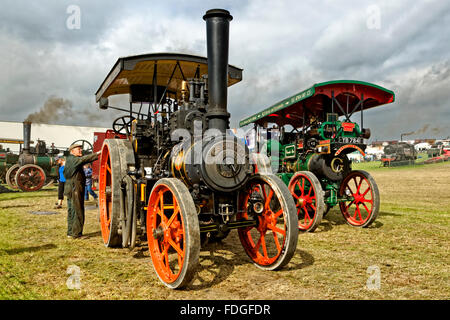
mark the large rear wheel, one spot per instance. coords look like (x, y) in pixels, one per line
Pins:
(110, 193)
(127, 209)
(30, 178)
(361, 208)
(272, 242)
(116, 192)
(173, 233)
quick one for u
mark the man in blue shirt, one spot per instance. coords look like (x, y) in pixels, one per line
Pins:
(61, 162)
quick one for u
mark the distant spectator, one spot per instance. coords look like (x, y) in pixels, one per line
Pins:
(88, 190)
(61, 162)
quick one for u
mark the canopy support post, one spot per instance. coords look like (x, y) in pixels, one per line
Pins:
(362, 108)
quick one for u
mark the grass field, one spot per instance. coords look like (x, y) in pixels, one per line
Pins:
(408, 245)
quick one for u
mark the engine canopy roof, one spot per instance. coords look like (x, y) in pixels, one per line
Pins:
(317, 100)
(168, 69)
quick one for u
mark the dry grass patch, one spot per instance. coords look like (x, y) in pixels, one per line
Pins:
(408, 243)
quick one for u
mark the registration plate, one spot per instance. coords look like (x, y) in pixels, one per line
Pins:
(352, 140)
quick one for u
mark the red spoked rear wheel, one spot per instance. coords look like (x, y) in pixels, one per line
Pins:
(173, 233)
(272, 242)
(361, 208)
(30, 178)
(109, 193)
(308, 196)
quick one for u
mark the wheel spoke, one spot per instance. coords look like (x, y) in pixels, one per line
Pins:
(165, 255)
(365, 192)
(277, 242)
(310, 190)
(174, 215)
(367, 209)
(350, 189)
(267, 203)
(359, 213)
(306, 215)
(279, 213)
(176, 247)
(276, 229)
(258, 244)
(348, 206)
(264, 248)
(161, 207)
(359, 185)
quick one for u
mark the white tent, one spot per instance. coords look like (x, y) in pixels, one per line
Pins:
(61, 136)
(422, 146)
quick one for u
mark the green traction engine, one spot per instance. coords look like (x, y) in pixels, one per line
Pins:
(308, 137)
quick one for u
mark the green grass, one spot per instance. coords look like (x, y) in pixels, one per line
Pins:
(408, 243)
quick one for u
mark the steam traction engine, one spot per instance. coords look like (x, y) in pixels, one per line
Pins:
(7, 158)
(401, 153)
(312, 134)
(36, 166)
(179, 177)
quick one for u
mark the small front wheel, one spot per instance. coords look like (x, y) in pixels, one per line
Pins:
(272, 242)
(173, 233)
(11, 176)
(308, 196)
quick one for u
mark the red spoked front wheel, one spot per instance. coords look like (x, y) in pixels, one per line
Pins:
(11, 176)
(308, 196)
(173, 233)
(363, 199)
(272, 242)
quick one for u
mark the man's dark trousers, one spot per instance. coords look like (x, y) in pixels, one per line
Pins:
(75, 215)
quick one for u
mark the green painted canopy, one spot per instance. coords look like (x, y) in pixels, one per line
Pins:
(317, 100)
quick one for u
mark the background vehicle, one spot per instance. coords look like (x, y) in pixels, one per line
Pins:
(36, 167)
(308, 136)
(401, 152)
(7, 158)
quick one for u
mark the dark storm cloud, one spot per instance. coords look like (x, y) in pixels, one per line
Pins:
(404, 31)
(283, 47)
(409, 54)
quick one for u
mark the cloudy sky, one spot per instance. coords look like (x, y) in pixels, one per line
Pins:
(283, 47)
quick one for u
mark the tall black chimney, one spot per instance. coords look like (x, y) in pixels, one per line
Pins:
(217, 36)
(26, 136)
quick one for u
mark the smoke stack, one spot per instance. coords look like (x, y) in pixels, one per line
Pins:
(217, 39)
(26, 136)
